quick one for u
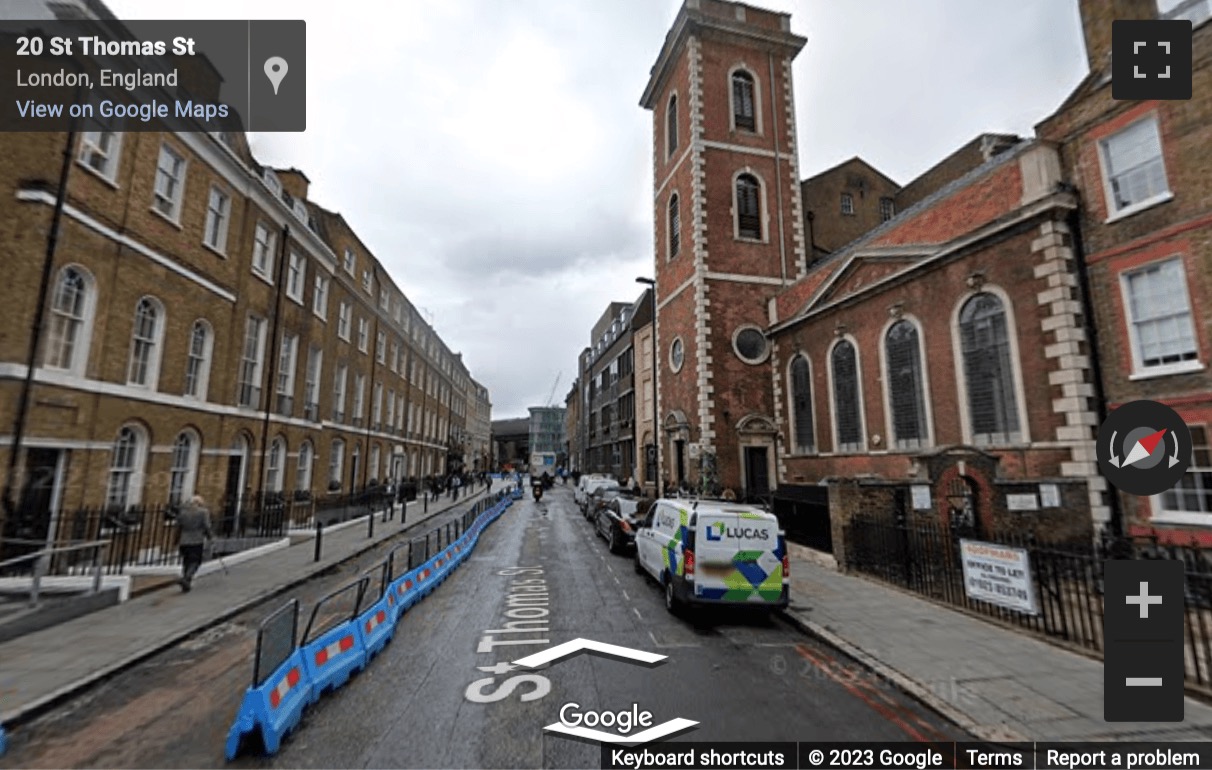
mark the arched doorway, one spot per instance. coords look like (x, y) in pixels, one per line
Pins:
(963, 512)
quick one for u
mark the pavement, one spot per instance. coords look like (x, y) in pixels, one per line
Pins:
(42, 668)
(997, 683)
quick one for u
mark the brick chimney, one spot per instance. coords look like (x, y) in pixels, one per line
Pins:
(1097, 16)
(294, 182)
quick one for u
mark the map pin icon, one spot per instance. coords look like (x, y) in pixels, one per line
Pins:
(275, 70)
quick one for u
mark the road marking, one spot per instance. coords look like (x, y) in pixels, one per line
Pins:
(652, 636)
(625, 596)
(576, 646)
(637, 613)
(609, 567)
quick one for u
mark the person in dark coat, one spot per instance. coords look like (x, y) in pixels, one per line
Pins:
(193, 523)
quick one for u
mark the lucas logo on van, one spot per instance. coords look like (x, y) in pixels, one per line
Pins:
(719, 530)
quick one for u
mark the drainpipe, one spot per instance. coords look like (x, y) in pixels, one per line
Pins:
(35, 336)
(271, 389)
(1100, 401)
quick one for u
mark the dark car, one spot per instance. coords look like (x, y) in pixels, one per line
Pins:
(600, 497)
(617, 519)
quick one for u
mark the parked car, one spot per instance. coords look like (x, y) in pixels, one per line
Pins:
(592, 488)
(585, 487)
(600, 497)
(617, 520)
(708, 552)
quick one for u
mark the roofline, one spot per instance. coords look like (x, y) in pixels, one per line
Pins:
(835, 167)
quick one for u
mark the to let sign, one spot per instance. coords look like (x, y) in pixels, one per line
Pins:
(998, 574)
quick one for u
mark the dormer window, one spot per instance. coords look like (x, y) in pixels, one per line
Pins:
(300, 211)
(271, 181)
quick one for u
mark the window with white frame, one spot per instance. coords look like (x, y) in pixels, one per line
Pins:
(368, 282)
(675, 226)
(359, 395)
(251, 359)
(336, 463)
(1133, 168)
(351, 262)
(801, 405)
(144, 366)
(170, 182)
(744, 112)
(391, 408)
(288, 352)
(99, 151)
(274, 465)
(70, 321)
(296, 274)
(906, 396)
(374, 462)
(338, 392)
(218, 217)
(394, 357)
(311, 381)
(303, 467)
(376, 404)
(847, 204)
(319, 296)
(1161, 330)
(847, 405)
(989, 371)
(264, 241)
(748, 207)
(384, 299)
(363, 334)
(381, 347)
(184, 465)
(1193, 493)
(671, 126)
(887, 209)
(197, 364)
(125, 469)
(344, 314)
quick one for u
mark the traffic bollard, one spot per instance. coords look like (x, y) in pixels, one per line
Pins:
(319, 537)
(370, 523)
(426, 503)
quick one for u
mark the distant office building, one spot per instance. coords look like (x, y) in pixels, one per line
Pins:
(547, 431)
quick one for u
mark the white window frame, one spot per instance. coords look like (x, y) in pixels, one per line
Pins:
(135, 471)
(376, 403)
(1160, 514)
(359, 395)
(336, 463)
(368, 282)
(363, 334)
(256, 380)
(186, 473)
(927, 409)
(381, 347)
(384, 299)
(173, 214)
(296, 276)
(304, 465)
(202, 378)
(340, 378)
(847, 204)
(319, 297)
(344, 320)
(288, 359)
(763, 204)
(217, 231)
(793, 416)
(1139, 370)
(757, 101)
(858, 380)
(351, 262)
(671, 150)
(90, 149)
(155, 347)
(961, 379)
(82, 325)
(275, 464)
(312, 377)
(1114, 212)
(264, 251)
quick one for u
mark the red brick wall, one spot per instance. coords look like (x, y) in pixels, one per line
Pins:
(979, 203)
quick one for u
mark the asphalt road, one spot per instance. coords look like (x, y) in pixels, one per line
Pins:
(442, 694)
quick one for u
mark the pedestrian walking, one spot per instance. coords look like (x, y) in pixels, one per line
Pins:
(193, 522)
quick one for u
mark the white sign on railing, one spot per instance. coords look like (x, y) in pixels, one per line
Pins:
(998, 574)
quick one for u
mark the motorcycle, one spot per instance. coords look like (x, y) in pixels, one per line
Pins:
(537, 490)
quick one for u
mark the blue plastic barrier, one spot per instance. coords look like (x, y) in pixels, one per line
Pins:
(378, 624)
(274, 703)
(333, 657)
(3, 741)
(275, 708)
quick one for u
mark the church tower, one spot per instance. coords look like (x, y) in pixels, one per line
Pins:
(729, 236)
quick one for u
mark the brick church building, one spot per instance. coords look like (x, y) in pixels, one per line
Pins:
(847, 344)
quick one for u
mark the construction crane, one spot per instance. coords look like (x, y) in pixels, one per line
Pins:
(554, 385)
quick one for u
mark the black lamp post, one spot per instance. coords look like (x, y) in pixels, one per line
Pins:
(656, 448)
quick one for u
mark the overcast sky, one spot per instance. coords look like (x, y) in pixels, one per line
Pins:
(492, 153)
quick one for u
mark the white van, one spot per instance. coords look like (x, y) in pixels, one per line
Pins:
(708, 552)
(589, 484)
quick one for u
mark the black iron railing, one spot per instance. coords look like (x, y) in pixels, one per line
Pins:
(1067, 577)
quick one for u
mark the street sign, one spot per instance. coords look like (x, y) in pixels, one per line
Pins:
(998, 574)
